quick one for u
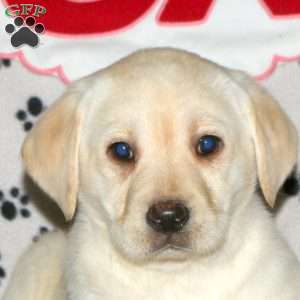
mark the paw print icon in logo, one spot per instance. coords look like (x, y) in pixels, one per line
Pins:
(24, 32)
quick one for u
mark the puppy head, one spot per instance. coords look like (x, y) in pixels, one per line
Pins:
(162, 148)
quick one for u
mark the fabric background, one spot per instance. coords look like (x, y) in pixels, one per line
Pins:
(251, 35)
(247, 35)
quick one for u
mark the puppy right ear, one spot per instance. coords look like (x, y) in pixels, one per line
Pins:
(50, 151)
(274, 135)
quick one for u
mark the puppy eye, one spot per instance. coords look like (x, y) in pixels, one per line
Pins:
(122, 151)
(208, 144)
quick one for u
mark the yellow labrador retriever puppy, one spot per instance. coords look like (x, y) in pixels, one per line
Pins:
(157, 159)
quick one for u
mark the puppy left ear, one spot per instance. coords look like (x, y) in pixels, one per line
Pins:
(275, 137)
(50, 151)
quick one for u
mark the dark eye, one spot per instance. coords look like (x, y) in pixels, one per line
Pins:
(122, 151)
(208, 144)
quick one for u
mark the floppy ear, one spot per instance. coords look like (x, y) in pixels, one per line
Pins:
(275, 137)
(50, 151)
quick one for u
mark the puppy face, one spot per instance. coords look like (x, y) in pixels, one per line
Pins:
(163, 133)
(162, 118)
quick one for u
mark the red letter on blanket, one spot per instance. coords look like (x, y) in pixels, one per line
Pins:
(178, 11)
(283, 8)
(89, 17)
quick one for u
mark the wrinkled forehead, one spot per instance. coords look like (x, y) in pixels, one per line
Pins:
(168, 91)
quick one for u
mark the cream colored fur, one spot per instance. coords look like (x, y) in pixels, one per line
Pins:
(161, 101)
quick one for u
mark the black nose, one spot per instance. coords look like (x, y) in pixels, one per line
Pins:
(167, 216)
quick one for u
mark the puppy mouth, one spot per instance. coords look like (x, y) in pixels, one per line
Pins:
(171, 247)
(171, 243)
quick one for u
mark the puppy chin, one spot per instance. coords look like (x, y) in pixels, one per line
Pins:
(148, 256)
(147, 251)
(143, 251)
(144, 248)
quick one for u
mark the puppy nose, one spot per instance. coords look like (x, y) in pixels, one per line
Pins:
(167, 216)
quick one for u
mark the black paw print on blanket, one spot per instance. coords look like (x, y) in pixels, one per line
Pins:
(34, 108)
(24, 32)
(2, 272)
(5, 63)
(15, 205)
